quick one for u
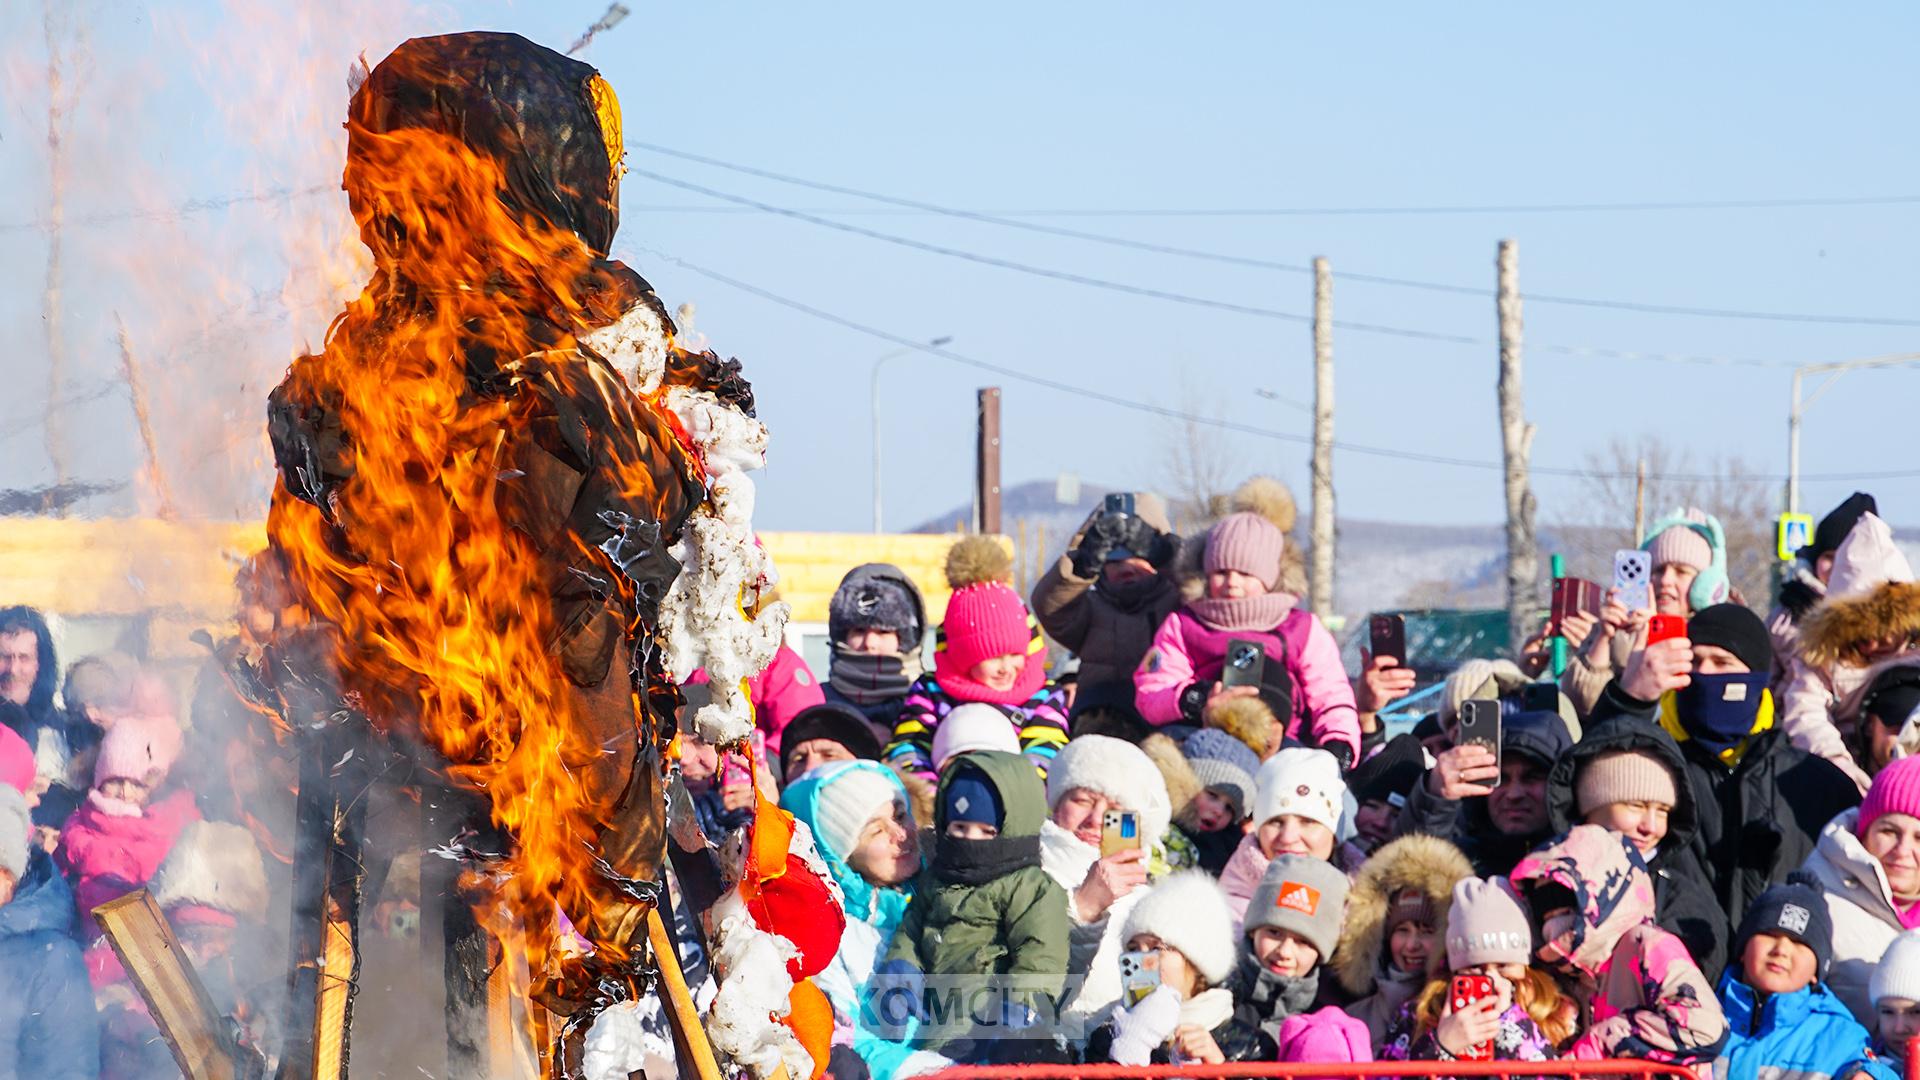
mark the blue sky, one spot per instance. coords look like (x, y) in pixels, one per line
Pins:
(1114, 106)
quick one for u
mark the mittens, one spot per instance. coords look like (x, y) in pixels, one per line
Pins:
(1144, 1028)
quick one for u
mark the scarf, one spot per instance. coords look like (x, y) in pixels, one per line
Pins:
(1277, 998)
(976, 862)
(1714, 727)
(1207, 1009)
(1248, 614)
(869, 679)
(1132, 597)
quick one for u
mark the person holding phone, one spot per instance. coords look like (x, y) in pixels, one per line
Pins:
(1303, 679)
(1107, 594)
(1512, 1010)
(1491, 802)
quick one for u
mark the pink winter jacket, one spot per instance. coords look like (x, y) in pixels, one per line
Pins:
(1186, 651)
(1242, 875)
(781, 693)
(109, 854)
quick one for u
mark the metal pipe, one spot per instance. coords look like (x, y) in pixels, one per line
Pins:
(1288, 1070)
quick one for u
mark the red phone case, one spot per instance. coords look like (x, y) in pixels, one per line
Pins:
(1465, 991)
(1662, 627)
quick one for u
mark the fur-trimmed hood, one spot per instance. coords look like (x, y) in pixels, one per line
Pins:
(1175, 770)
(1426, 863)
(1871, 597)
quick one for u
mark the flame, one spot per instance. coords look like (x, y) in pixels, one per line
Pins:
(440, 596)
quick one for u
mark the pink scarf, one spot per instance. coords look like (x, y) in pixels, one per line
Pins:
(1909, 913)
(1246, 614)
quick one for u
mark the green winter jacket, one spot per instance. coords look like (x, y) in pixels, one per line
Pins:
(1014, 922)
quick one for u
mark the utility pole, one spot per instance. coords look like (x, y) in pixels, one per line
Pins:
(56, 213)
(986, 483)
(1516, 443)
(1799, 407)
(1320, 585)
(1639, 501)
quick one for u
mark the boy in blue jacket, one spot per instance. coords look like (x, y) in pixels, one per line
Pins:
(1781, 1018)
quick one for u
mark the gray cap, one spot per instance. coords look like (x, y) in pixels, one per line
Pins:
(1303, 895)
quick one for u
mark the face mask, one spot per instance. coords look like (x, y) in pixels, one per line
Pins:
(1719, 710)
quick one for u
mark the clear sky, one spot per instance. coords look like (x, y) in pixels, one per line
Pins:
(1062, 106)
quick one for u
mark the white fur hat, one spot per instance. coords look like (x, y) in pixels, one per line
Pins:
(1189, 912)
(974, 726)
(1117, 769)
(214, 864)
(1898, 973)
(1300, 781)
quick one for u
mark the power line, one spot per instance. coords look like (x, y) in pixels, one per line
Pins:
(177, 212)
(1007, 221)
(1335, 211)
(1179, 414)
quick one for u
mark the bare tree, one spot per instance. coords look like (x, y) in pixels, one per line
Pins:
(1200, 469)
(1727, 487)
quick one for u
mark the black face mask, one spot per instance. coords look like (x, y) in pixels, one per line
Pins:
(1718, 711)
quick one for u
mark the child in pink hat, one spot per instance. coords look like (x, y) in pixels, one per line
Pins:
(1303, 679)
(122, 833)
(989, 651)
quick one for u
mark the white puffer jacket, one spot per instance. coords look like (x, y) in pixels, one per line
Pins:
(1865, 920)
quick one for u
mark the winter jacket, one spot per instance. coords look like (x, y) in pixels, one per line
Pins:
(1519, 1039)
(109, 853)
(1799, 594)
(1645, 996)
(1805, 1035)
(1362, 961)
(48, 1030)
(1539, 735)
(1238, 1040)
(1109, 630)
(1758, 817)
(780, 693)
(1682, 890)
(1040, 722)
(1014, 921)
(1879, 1063)
(1865, 918)
(1187, 651)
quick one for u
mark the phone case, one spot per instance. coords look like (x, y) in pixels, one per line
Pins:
(1663, 627)
(1480, 723)
(1246, 663)
(1119, 831)
(1139, 975)
(1387, 636)
(1633, 577)
(1465, 991)
(1574, 596)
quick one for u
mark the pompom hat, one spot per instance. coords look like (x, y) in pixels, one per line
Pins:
(140, 748)
(986, 618)
(1248, 543)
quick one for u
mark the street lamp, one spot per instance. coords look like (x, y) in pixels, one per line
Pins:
(875, 397)
(1799, 407)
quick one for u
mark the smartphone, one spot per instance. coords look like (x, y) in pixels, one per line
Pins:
(1119, 831)
(734, 772)
(1574, 596)
(1139, 975)
(1633, 578)
(1662, 627)
(1388, 636)
(1540, 697)
(1246, 663)
(1120, 502)
(1466, 991)
(1480, 723)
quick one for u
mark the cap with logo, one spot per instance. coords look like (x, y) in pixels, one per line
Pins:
(1301, 895)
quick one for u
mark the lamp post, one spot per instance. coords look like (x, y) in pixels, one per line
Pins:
(1799, 407)
(875, 399)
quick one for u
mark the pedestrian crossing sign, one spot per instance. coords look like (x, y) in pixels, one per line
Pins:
(1795, 532)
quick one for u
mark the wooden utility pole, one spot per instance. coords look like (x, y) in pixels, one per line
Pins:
(1640, 501)
(1516, 443)
(56, 214)
(1320, 584)
(986, 484)
(130, 370)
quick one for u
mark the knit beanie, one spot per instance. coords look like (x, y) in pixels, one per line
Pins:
(1898, 973)
(1410, 905)
(1626, 776)
(1390, 775)
(974, 726)
(1477, 679)
(1738, 630)
(1248, 543)
(836, 722)
(1797, 908)
(1895, 790)
(969, 796)
(1189, 912)
(1893, 696)
(17, 768)
(136, 748)
(1487, 925)
(1117, 769)
(1833, 529)
(1224, 765)
(849, 798)
(15, 824)
(214, 864)
(1303, 782)
(875, 597)
(985, 621)
(1303, 895)
(1679, 544)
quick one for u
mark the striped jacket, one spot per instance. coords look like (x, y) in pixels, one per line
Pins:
(1040, 723)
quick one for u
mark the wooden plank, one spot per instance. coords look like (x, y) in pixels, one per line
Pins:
(178, 1002)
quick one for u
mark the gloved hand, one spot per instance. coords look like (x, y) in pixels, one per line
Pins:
(896, 990)
(1097, 540)
(1144, 1028)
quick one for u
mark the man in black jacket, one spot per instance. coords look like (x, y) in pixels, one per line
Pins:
(1761, 803)
(1494, 825)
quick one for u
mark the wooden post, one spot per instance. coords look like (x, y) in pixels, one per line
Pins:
(323, 937)
(689, 1038)
(1320, 580)
(450, 935)
(56, 213)
(1516, 442)
(175, 997)
(131, 372)
(987, 458)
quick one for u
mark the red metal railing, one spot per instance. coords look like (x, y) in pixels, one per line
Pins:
(1304, 1070)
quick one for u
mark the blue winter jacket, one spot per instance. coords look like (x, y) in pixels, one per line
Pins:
(1805, 1035)
(48, 1030)
(1877, 1065)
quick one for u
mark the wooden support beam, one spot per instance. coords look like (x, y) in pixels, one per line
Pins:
(689, 1038)
(196, 1033)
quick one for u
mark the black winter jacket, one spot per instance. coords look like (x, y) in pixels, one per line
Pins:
(1759, 820)
(1237, 1041)
(1687, 905)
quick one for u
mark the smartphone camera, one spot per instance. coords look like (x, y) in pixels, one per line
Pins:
(1243, 657)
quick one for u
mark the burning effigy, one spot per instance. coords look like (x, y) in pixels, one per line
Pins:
(513, 517)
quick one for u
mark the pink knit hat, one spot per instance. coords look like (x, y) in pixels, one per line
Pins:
(1682, 545)
(984, 621)
(1248, 543)
(1896, 790)
(137, 748)
(17, 769)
